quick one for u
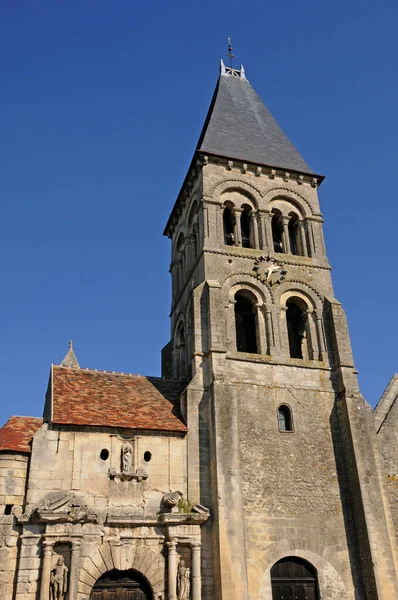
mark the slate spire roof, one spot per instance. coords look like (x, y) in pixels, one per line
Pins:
(240, 126)
(70, 359)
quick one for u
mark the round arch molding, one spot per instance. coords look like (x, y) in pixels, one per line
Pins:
(286, 193)
(129, 582)
(122, 557)
(236, 185)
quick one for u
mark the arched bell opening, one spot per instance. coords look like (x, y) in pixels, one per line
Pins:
(294, 235)
(277, 230)
(245, 227)
(122, 585)
(246, 323)
(297, 328)
(293, 577)
(229, 225)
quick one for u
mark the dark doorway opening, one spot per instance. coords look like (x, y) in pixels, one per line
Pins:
(293, 578)
(121, 585)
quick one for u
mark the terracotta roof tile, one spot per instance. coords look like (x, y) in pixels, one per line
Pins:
(16, 434)
(100, 398)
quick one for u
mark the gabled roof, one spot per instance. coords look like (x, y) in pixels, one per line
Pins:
(17, 433)
(104, 399)
(239, 125)
(386, 402)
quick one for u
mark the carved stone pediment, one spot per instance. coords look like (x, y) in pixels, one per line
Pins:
(61, 507)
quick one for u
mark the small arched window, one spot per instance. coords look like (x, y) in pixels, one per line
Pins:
(285, 422)
(229, 226)
(245, 227)
(245, 324)
(277, 230)
(294, 235)
(297, 325)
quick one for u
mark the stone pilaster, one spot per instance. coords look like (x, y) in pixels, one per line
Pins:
(196, 571)
(171, 569)
(46, 570)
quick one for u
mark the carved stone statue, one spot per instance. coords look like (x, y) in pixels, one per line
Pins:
(183, 581)
(127, 459)
(59, 580)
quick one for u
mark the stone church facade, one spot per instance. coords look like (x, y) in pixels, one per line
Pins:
(253, 469)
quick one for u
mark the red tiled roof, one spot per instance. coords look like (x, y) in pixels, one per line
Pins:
(100, 398)
(16, 434)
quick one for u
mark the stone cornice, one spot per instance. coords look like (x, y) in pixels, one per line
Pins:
(254, 253)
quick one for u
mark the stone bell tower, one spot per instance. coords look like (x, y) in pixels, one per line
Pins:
(281, 443)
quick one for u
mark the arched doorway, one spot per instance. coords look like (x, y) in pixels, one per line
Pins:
(121, 585)
(293, 578)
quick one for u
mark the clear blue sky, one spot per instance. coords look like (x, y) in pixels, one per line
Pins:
(101, 107)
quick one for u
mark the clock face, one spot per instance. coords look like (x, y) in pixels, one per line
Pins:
(269, 271)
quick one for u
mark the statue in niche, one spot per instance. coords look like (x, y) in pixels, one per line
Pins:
(59, 580)
(183, 581)
(127, 459)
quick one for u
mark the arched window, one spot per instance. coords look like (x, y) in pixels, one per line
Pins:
(293, 577)
(294, 234)
(180, 259)
(229, 226)
(245, 324)
(195, 240)
(285, 422)
(297, 325)
(277, 230)
(181, 355)
(245, 227)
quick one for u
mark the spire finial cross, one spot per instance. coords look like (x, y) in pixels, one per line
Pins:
(229, 53)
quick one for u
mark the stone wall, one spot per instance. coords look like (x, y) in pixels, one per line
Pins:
(13, 469)
(84, 460)
(388, 439)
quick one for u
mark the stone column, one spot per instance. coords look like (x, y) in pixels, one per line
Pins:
(253, 217)
(46, 570)
(268, 231)
(196, 571)
(74, 569)
(310, 238)
(303, 238)
(261, 330)
(231, 326)
(171, 570)
(319, 335)
(286, 237)
(238, 233)
(261, 225)
(284, 333)
(269, 332)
